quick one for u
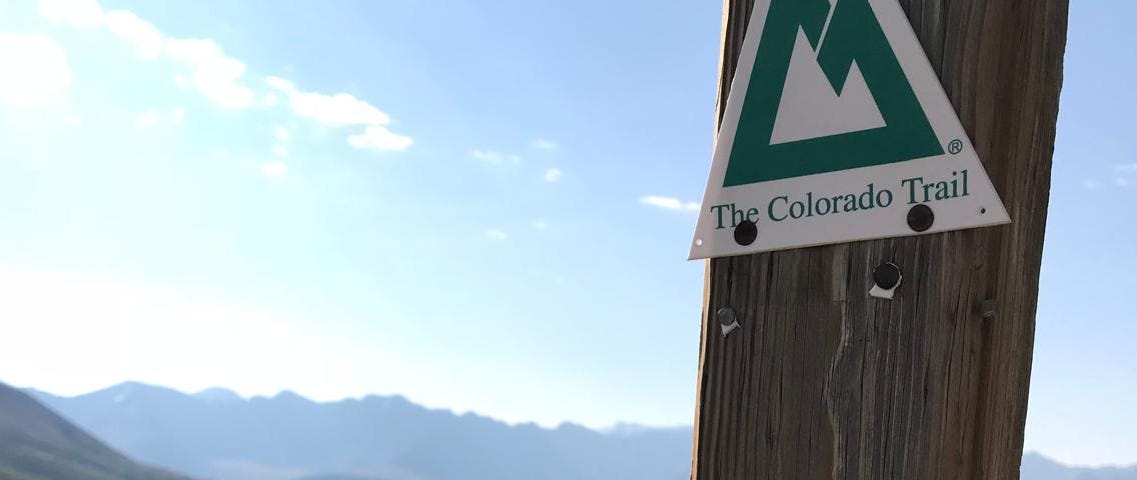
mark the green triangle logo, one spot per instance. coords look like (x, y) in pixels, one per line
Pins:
(835, 129)
(848, 44)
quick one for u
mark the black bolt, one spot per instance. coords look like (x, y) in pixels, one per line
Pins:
(726, 316)
(921, 218)
(746, 232)
(886, 275)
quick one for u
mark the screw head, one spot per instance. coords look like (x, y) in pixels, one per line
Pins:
(886, 275)
(921, 218)
(726, 316)
(746, 232)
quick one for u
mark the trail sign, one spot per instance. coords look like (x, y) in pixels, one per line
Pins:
(835, 130)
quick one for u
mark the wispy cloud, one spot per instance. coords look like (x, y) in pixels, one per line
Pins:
(495, 158)
(669, 203)
(214, 74)
(280, 151)
(344, 110)
(1121, 181)
(540, 225)
(1090, 184)
(76, 13)
(378, 139)
(221, 78)
(282, 134)
(553, 175)
(36, 70)
(545, 145)
(497, 235)
(338, 110)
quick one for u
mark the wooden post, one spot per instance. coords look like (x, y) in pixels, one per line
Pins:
(824, 382)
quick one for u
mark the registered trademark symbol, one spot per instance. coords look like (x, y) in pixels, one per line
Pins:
(955, 146)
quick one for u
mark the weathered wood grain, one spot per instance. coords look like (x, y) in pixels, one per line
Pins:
(823, 382)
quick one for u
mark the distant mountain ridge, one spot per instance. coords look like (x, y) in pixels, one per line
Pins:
(1038, 467)
(37, 444)
(217, 434)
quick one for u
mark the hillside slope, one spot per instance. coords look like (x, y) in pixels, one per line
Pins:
(37, 444)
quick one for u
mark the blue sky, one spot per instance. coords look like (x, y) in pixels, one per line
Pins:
(480, 205)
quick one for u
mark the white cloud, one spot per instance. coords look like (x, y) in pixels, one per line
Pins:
(1090, 185)
(498, 235)
(148, 119)
(277, 83)
(339, 110)
(177, 115)
(274, 169)
(35, 70)
(495, 158)
(148, 42)
(282, 134)
(216, 75)
(546, 145)
(1121, 181)
(553, 175)
(76, 13)
(344, 110)
(540, 225)
(378, 139)
(669, 203)
(280, 151)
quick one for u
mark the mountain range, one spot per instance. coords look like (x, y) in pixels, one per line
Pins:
(216, 434)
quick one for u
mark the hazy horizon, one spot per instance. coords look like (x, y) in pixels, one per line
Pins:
(600, 428)
(605, 430)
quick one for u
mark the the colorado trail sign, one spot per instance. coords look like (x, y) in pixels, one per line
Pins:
(835, 129)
